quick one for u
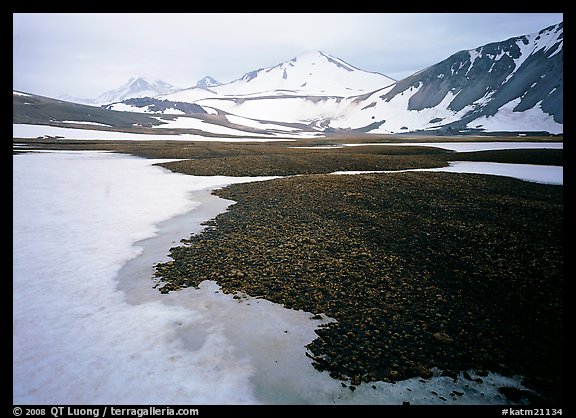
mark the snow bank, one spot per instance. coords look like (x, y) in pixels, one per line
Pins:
(470, 146)
(186, 122)
(85, 123)
(256, 124)
(547, 174)
(506, 119)
(289, 109)
(35, 131)
(76, 340)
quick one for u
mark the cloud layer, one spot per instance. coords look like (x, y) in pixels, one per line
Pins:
(86, 54)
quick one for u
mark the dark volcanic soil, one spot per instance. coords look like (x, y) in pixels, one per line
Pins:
(420, 270)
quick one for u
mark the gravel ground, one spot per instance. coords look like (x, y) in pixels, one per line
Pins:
(420, 270)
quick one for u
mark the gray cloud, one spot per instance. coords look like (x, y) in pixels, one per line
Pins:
(86, 54)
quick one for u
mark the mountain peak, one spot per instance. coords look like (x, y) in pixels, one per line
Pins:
(313, 54)
(136, 87)
(146, 81)
(207, 82)
(319, 56)
(310, 73)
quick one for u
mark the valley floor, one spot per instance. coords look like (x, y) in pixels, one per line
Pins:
(421, 271)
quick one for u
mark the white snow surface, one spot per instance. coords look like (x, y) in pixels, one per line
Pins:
(546, 174)
(34, 131)
(76, 340)
(188, 122)
(85, 331)
(395, 113)
(123, 107)
(506, 119)
(288, 109)
(172, 111)
(188, 95)
(469, 146)
(311, 73)
(85, 123)
(257, 124)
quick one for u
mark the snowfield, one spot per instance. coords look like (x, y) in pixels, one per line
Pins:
(394, 114)
(195, 123)
(88, 328)
(547, 174)
(287, 109)
(34, 131)
(313, 73)
(471, 146)
(257, 124)
(506, 119)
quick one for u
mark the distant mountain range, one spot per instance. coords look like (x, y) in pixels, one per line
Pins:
(133, 88)
(515, 85)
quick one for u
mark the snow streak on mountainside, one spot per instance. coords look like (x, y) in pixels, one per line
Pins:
(513, 85)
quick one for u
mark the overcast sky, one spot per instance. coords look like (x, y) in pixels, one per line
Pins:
(84, 54)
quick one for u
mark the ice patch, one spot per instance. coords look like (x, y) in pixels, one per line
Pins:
(34, 131)
(547, 174)
(470, 146)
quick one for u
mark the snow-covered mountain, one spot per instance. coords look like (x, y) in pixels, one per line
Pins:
(136, 87)
(515, 85)
(208, 82)
(512, 85)
(312, 73)
(295, 91)
(133, 88)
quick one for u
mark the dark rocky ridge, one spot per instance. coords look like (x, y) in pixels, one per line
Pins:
(34, 109)
(539, 78)
(159, 105)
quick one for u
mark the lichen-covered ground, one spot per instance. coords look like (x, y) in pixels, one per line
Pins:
(420, 270)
